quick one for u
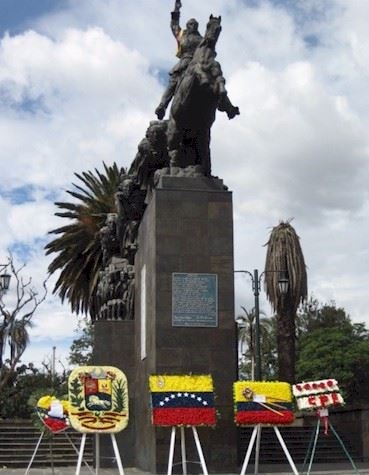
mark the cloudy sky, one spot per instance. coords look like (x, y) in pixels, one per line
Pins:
(80, 79)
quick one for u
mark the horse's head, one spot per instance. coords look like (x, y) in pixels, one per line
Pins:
(213, 29)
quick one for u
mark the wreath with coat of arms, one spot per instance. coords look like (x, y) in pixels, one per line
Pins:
(98, 398)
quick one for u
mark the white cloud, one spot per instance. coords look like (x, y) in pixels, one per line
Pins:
(311, 156)
(32, 220)
(78, 86)
(81, 85)
(52, 325)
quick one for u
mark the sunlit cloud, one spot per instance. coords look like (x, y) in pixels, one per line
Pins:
(79, 85)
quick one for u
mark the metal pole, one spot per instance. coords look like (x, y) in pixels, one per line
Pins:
(80, 456)
(199, 451)
(257, 326)
(53, 367)
(117, 454)
(183, 451)
(171, 450)
(97, 454)
(249, 449)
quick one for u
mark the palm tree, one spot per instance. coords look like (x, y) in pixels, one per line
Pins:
(285, 258)
(268, 346)
(18, 337)
(246, 340)
(247, 347)
(79, 258)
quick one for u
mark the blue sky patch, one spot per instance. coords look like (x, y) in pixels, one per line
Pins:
(24, 252)
(19, 195)
(26, 193)
(33, 106)
(16, 14)
(163, 76)
(312, 41)
(21, 251)
(26, 104)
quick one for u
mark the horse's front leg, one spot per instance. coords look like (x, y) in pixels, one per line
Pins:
(203, 151)
(173, 143)
(225, 105)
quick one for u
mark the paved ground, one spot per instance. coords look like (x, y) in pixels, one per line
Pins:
(338, 469)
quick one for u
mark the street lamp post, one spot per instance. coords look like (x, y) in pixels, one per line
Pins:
(256, 280)
(4, 280)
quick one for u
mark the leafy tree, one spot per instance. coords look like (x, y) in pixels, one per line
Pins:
(81, 348)
(15, 322)
(331, 346)
(285, 258)
(312, 315)
(27, 383)
(78, 249)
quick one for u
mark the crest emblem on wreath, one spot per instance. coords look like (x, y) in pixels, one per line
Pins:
(98, 393)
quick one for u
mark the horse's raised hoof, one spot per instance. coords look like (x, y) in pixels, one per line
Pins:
(160, 112)
(233, 112)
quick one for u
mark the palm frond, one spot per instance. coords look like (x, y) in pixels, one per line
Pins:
(77, 245)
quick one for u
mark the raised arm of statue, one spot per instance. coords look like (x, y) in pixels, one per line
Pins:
(175, 16)
(177, 5)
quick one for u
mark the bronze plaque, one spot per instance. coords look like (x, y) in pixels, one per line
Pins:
(194, 300)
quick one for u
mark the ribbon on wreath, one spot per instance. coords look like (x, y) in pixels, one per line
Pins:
(259, 399)
(323, 415)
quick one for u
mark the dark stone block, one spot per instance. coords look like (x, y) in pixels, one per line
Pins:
(190, 183)
(171, 356)
(185, 230)
(114, 346)
(221, 264)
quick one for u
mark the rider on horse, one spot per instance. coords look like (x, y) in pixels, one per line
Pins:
(199, 94)
(187, 42)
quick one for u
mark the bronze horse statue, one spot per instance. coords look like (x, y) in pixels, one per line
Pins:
(199, 93)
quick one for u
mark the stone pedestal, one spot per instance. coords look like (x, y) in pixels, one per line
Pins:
(187, 228)
(114, 346)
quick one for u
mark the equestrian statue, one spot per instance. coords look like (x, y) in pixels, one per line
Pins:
(197, 90)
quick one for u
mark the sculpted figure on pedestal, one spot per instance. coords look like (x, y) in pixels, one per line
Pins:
(197, 86)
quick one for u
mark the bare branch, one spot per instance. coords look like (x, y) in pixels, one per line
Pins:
(14, 323)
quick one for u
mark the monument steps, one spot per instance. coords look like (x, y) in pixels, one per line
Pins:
(18, 440)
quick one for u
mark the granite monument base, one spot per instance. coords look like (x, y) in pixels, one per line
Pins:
(184, 321)
(114, 346)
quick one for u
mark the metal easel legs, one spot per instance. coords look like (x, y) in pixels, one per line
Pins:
(183, 451)
(256, 435)
(97, 454)
(312, 448)
(52, 464)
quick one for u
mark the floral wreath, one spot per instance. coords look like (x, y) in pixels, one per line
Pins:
(262, 402)
(53, 413)
(182, 400)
